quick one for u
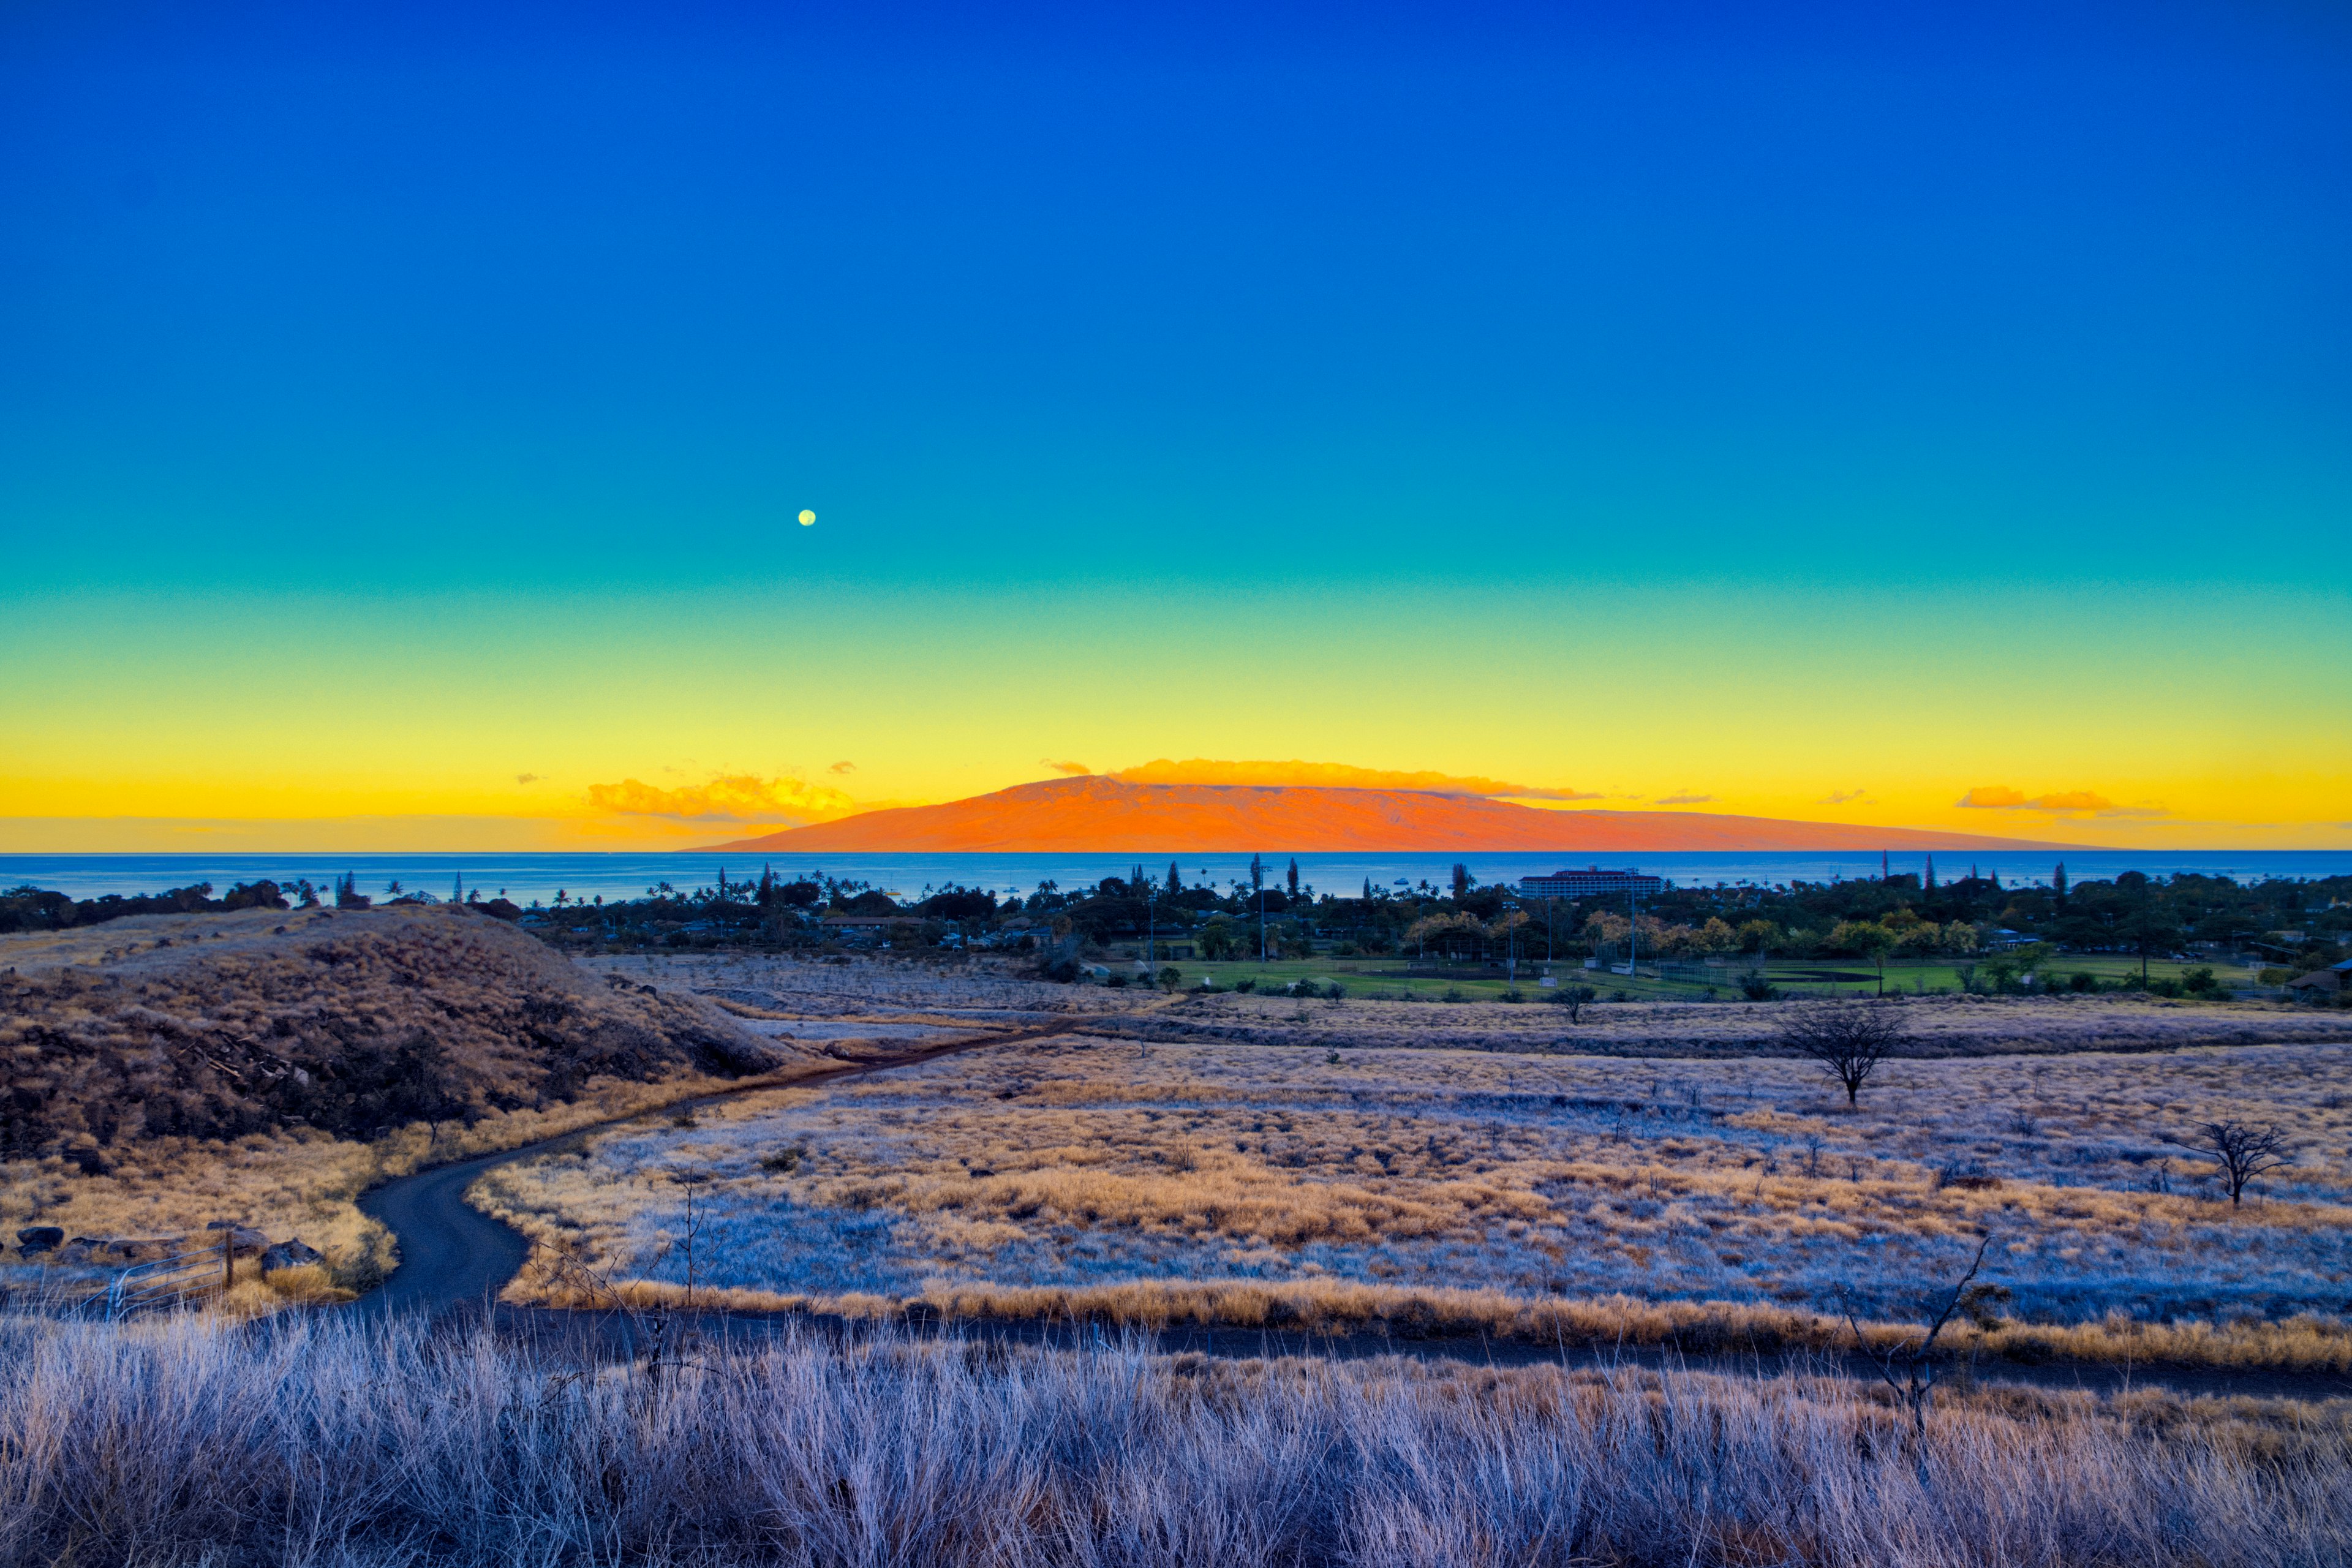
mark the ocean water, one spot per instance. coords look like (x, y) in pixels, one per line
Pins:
(526, 877)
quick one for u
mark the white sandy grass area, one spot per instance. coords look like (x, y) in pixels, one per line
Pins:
(1090, 1161)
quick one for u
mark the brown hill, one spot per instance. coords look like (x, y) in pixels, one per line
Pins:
(1097, 814)
(219, 1025)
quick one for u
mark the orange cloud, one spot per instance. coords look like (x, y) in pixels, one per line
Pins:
(1332, 776)
(843, 768)
(1685, 799)
(2000, 797)
(1073, 769)
(739, 798)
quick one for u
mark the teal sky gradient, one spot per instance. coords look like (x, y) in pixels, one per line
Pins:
(1393, 384)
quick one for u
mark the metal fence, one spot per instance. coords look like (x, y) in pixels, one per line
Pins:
(165, 1284)
(173, 1283)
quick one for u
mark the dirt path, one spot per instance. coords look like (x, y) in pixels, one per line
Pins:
(454, 1256)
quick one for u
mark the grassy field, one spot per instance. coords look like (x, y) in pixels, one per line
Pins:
(1194, 1175)
(1386, 977)
(336, 1445)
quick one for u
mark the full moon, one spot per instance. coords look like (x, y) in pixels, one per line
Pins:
(807, 518)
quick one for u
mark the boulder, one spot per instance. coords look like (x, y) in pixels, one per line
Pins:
(244, 1241)
(291, 1253)
(35, 1239)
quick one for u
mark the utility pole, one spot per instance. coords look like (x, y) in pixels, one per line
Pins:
(1257, 886)
(1633, 936)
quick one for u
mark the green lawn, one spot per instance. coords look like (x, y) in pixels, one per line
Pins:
(1375, 977)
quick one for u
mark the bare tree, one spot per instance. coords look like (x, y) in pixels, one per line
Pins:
(1849, 1039)
(2239, 1150)
(1916, 1362)
(1574, 999)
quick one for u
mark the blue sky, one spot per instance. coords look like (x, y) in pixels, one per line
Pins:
(2017, 330)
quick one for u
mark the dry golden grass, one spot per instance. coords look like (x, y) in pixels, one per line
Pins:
(1342, 1307)
(356, 1443)
(1149, 1183)
(160, 1072)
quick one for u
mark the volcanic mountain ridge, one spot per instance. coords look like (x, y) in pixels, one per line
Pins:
(1095, 814)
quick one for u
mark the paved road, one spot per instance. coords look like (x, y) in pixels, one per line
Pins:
(450, 1253)
(453, 1257)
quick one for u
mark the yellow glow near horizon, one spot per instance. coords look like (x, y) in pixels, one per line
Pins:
(640, 723)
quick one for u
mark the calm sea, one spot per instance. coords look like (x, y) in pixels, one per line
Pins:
(619, 875)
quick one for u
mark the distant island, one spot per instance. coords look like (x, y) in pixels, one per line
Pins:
(1097, 814)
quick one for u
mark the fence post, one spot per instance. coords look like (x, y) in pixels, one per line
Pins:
(229, 1257)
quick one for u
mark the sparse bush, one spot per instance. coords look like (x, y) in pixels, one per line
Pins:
(1575, 998)
(1754, 987)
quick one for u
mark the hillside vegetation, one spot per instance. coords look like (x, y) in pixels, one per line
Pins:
(161, 1071)
(216, 1026)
